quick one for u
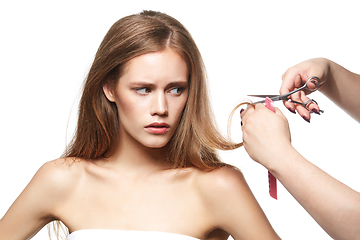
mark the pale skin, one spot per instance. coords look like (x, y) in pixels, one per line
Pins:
(133, 189)
(334, 206)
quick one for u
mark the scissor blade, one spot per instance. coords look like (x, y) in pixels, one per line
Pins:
(264, 96)
(263, 101)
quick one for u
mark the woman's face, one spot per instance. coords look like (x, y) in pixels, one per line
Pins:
(150, 97)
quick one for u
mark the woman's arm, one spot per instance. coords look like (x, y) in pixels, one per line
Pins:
(335, 206)
(233, 207)
(33, 209)
(343, 89)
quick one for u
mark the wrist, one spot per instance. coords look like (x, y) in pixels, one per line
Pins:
(328, 76)
(277, 162)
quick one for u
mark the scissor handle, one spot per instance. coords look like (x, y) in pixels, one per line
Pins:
(315, 80)
(306, 104)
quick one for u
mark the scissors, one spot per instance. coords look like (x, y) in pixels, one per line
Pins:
(285, 97)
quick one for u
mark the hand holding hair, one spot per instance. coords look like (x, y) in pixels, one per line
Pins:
(258, 135)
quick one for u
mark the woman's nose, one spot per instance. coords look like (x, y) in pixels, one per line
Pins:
(159, 105)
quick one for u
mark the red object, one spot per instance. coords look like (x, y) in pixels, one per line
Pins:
(272, 180)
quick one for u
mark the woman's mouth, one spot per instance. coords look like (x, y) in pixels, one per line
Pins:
(157, 128)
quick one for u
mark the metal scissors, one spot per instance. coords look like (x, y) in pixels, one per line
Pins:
(285, 97)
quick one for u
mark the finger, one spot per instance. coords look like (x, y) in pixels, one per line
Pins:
(313, 84)
(290, 105)
(290, 82)
(303, 112)
(241, 114)
(313, 107)
(279, 112)
(303, 71)
(259, 107)
(243, 111)
(246, 113)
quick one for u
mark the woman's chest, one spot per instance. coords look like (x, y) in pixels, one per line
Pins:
(135, 205)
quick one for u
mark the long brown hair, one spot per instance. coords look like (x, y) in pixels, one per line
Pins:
(196, 139)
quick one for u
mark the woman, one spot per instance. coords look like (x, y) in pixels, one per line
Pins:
(143, 160)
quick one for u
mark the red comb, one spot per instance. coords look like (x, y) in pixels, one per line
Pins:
(272, 180)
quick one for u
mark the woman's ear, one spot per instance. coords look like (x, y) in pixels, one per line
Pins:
(109, 92)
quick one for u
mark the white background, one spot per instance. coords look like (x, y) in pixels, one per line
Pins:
(46, 48)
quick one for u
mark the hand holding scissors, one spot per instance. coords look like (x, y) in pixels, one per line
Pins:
(287, 97)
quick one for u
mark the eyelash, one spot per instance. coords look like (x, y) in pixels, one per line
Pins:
(146, 90)
(180, 90)
(143, 88)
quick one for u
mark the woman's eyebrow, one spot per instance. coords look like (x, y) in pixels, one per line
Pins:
(151, 85)
(177, 83)
(142, 84)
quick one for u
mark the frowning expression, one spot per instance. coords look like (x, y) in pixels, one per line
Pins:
(150, 97)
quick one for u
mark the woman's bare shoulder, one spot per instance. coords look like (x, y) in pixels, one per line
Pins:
(232, 206)
(59, 168)
(60, 174)
(224, 187)
(39, 201)
(222, 180)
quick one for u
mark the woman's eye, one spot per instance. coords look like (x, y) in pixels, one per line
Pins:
(143, 90)
(176, 90)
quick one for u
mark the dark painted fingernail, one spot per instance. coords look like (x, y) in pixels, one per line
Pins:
(241, 111)
(292, 110)
(314, 110)
(314, 82)
(306, 119)
(241, 123)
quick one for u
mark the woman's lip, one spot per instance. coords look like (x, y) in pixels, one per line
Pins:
(157, 128)
(158, 125)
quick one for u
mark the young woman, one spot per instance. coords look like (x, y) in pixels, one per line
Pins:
(143, 161)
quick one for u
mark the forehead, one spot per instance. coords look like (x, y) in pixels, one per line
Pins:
(163, 65)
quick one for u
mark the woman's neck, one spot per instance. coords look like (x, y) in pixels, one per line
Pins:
(132, 156)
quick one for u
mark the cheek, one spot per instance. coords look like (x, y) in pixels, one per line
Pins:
(129, 108)
(179, 108)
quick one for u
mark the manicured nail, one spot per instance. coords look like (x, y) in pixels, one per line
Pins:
(241, 111)
(241, 123)
(306, 119)
(314, 82)
(292, 110)
(314, 110)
